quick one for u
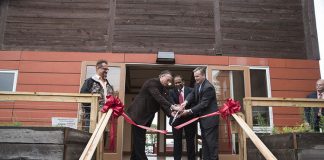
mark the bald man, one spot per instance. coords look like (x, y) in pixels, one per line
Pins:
(312, 115)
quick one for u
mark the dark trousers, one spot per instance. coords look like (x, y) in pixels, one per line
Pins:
(138, 143)
(190, 133)
(311, 115)
(210, 143)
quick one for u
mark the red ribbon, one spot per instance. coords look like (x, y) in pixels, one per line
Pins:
(117, 106)
(225, 111)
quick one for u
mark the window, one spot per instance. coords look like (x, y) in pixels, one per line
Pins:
(8, 80)
(112, 76)
(260, 87)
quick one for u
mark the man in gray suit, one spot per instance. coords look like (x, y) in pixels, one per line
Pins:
(203, 101)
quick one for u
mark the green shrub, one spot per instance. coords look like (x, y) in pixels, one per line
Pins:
(304, 127)
(15, 124)
(321, 123)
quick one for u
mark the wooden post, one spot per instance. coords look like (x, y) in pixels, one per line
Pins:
(100, 145)
(255, 139)
(96, 136)
(93, 114)
(248, 112)
(242, 140)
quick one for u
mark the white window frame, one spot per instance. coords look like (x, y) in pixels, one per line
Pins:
(15, 77)
(268, 129)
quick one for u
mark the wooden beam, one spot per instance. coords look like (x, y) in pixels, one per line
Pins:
(254, 138)
(48, 94)
(47, 97)
(96, 136)
(311, 41)
(3, 18)
(111, 25)
(218, 33)
(93, 114)
(242, 140)
(289, 102)
(248, 112)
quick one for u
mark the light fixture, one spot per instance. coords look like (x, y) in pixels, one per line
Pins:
(165, 58)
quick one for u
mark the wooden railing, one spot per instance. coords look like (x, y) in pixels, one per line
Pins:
(57, 97)
(244, 129)
(250, 102)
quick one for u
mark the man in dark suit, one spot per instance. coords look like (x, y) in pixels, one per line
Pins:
(178, 94)
(152, 96)
(203, 101)
(313, 115)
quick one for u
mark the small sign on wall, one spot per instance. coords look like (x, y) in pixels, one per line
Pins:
(64, 122)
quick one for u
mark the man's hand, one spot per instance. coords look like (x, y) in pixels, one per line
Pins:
(176, 107)
(185, 112)
(321, 95)
(183, 105)
(173, 114)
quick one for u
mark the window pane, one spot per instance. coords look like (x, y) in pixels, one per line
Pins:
(238, 86)
(113, 76)
(259, 88)
(228, 84)
(6, 81)
(258, 83)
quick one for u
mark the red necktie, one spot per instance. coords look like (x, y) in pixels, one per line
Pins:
(180, 97)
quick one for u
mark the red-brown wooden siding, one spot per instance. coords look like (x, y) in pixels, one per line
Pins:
(60, 72)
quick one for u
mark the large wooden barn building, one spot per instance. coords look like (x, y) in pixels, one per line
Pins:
(251, 48)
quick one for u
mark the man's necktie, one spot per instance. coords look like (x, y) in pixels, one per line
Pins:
(181, 98)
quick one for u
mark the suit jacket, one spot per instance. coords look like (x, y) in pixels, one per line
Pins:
(174, 96)
(151, 97)
(204, 102)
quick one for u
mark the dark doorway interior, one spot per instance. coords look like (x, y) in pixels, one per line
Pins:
(136, 75)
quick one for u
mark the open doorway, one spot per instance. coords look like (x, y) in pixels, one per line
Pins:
(136, 75)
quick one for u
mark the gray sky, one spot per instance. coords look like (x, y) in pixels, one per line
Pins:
(319, 12)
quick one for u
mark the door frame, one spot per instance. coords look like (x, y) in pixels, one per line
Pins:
(246, 73)
(119, 141)
(247, 92)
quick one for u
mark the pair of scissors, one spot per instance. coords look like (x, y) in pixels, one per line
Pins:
(175, 117)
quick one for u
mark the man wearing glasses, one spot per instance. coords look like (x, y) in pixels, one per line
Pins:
(97, 84)
(152, 96)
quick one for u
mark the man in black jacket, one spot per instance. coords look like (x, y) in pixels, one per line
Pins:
(203, 101)
(178, 95)
(152, 96)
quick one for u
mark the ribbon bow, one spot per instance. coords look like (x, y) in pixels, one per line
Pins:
(117, 106)
(229, 108)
